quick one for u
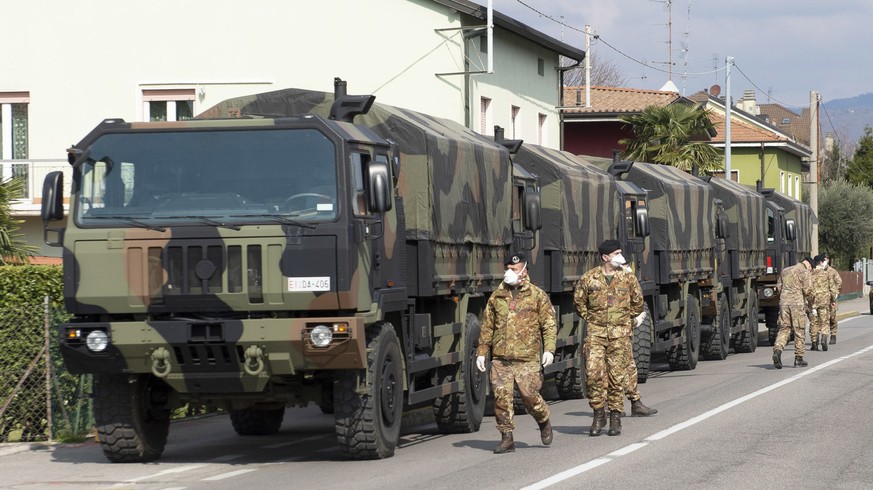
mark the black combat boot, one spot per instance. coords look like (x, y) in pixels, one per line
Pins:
(599, 422)
(798, 361)
(777, 359)
(833, 339)
(824, 343)
(640, 410)
(814, 345)
(614, 423)
(546, 432)
(506, 444)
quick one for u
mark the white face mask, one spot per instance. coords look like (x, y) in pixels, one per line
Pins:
(618, 261)
(511, 278)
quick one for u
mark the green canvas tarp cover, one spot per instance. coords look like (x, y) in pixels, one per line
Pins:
(681, 210)
(455, 184)
(746, 210)
(803, 218)
(579, 203)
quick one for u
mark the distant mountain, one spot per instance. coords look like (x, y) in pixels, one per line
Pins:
(847, 118)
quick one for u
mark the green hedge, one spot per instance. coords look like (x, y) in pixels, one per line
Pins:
(29, 284)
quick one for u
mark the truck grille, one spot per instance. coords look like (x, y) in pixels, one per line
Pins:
(204, 269)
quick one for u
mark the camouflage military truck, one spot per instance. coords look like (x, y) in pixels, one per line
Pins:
(579, 210)
(789, 240)
(676, 261)
(741, 247)
(282, 249)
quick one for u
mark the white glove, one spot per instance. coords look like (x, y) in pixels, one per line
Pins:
(480, 363)
(639, 319)
(813, 312)
(548, 357)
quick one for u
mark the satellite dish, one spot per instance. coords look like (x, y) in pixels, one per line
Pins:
(714, 90)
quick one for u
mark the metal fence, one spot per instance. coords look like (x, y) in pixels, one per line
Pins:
(39, 399)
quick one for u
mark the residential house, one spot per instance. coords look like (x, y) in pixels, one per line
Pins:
(759, 151)
(592, 124)
(80, 63)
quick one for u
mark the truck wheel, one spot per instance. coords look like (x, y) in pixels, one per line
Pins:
(771, 317)
(642, 341)
(462, 412)
(747, 340)
(131, 416)
(571, 383)
(720, 334)
(684, 357)
(257, 422)
(368, 424)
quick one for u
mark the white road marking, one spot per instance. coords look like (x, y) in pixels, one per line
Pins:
(229, 474)
(594, 463)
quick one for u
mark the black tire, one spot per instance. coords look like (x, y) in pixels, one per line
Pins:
(771, 318)
(719, 339)
(257, 422)
(463, 412)
(131, 417)
(746, 340)
(642, 342)
(368, 424)
(570, 383)
(684, 357)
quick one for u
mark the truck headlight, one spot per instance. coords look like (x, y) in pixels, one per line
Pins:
(97, 341)
(768, 292)
(321, 336)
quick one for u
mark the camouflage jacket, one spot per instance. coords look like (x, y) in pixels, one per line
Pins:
(836, 282)
(608, 308)
(519, 324)
(795, 286)
(821, 289)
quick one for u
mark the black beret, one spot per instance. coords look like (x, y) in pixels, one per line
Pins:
(608, 246)
(819, 258)
(809, 259)
(515, 258)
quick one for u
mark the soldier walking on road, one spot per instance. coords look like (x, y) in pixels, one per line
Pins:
(795, 300)
(836, 283)
(819, 323)
(518, 324)
(608, 298)
(631, 385)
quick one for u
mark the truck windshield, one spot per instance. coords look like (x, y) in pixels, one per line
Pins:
(209, 178)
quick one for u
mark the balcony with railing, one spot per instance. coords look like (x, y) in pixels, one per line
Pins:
(33, 173)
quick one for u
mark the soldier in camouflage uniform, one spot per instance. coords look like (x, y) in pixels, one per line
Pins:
(631, 387)
(518, 324)
(608, 298)
(819, 324)
(836, 283)
(795, 300)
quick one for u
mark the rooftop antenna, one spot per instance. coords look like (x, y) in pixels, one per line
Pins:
(686, 45)
(669, 5)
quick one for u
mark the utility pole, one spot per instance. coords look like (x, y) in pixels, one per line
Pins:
(813, 164)
(727, 118)
(587, 66)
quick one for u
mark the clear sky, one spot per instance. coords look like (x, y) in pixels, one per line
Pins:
(782, 49)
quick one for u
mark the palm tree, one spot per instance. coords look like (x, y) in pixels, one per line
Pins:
(12, 249)
(673, 135)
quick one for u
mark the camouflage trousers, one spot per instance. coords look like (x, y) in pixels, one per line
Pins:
(505, 376)
(792, 318)
(820, 323)
(832, 317)
(631, 386)
(606, 366)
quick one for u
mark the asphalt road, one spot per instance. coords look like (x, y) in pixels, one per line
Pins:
(727, 424)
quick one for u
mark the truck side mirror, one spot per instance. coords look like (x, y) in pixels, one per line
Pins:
(53, 197)
(790, 230)
(379, 180)
(722, 230)
(532, 208)
(642, 222)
